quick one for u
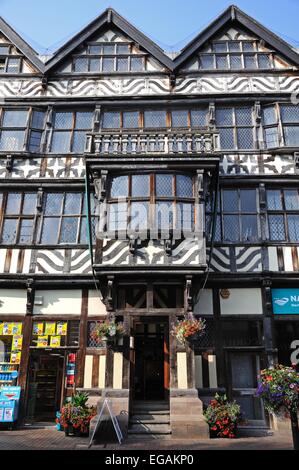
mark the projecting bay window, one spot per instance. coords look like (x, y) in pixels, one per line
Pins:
(235, 125)
(283, 215)
(161, 203)
(64, 219)
(18, 220)
(237, 216)
(69, 131)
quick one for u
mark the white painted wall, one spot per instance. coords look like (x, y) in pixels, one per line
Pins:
(205, 304)
(67, 302)
(95, 305)
(13, 301)
(242, 301)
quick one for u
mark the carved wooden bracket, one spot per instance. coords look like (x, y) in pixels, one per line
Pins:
(100, 185)
(132, 245)
(110, 292)
(188, 287)
(258, 112)
(30, 297)
(168, 247)
(212, 117)
(9, 162)
(39, 201)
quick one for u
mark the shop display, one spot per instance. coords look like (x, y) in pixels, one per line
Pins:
(10, 355)
(49, 334)
(9, 404)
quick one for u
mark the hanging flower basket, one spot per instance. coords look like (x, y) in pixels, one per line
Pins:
(188, 329)
(109, 330)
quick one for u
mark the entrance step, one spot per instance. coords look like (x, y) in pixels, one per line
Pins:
(149, 420)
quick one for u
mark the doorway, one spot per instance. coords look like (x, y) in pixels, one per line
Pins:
(151, 362)
(45, 385)
(244, 368)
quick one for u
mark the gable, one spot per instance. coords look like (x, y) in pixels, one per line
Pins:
(16, 56)
(12, 60)
(109, 51)
(236, 49)
(108, 29)
(266, 51)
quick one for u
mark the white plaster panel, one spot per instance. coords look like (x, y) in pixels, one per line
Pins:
(205, 304)
(59, 302)
(13, 301)
(273, 261)
(95, 304)
(88, 372)
(242, 301)
(117, 370)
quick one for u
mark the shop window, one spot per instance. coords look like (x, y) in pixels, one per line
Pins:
(283, 214)
(55, 334)
(69, 131)
(11, 340)
(18, 220)
(161, 202)
(237, 216)
(235, 127)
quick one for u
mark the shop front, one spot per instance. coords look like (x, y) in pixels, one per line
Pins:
(51, 368)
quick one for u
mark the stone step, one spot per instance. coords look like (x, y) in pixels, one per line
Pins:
(141, 428)
(253, 431)
(147, 437)
(150, 407)
(150, 418)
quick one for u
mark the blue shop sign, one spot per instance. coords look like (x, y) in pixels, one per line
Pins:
(285, 301)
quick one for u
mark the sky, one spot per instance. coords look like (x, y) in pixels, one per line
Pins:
(46, 25)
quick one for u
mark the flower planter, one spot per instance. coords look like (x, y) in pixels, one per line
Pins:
(215, 434)
(70, 430)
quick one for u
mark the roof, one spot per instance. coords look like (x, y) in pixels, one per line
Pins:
(22, 45)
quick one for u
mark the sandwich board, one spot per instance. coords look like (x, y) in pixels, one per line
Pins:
(103, 423)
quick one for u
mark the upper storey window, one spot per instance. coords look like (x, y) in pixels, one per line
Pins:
(155, 118)
(235, 125)
(281, 125)
(236, 55)
(69, 131)
(156, 202)
(108, 57)
(10, 60)
(21, 130)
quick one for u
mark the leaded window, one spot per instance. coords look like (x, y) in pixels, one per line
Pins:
(22, 129)
(237, 216)
(155, 118)
(107, 57)
(18, 220)
(232, 55)
(64, 219)
(11, 61)
(69, 131)
(235, 126)
(281, 125)
(283, 214)
(159, 201)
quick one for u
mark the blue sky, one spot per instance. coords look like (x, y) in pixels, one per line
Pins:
(170, 23)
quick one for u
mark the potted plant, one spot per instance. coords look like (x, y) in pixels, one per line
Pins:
(188, 329)
(279, 388)
(223, 417)
(109, 330)
(75, 415)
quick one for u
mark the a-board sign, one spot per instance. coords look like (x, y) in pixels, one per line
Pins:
(101, 424)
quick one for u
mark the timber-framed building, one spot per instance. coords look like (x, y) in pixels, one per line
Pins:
(145, 186)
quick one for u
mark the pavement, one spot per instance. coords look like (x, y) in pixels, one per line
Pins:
(51, 439)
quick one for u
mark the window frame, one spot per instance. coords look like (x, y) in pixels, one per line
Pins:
(70, 130)
(235, 126)
(283, 212)
(151, 199)
(19, 217)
